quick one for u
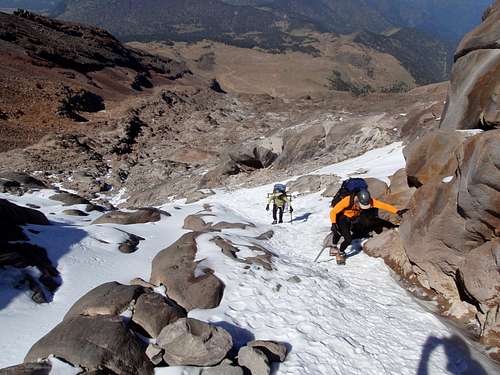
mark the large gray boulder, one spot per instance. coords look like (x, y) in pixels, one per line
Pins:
(311, 183)
(475, 84)
(175, 268)
(191, 342)
(107, 299)
(19, 182)
(223, 369)
(141, 216)
(254, 360)
(275, 351)
(153, 312)
(94, 343)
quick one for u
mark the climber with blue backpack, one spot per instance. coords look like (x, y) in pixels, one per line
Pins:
(353, 206)
(279, 199)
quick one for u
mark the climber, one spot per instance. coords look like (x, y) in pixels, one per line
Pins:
(349, 214)
(279, 199)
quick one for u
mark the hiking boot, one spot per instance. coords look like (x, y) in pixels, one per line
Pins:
(334, 250)
(275, 222)
(340, 258)
(281, 222)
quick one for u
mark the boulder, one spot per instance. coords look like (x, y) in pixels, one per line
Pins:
(68, 199)
(35, 368)
(265, 236)
(74, 213)
(130, 245)
(107, 299)
(191, 342)
(311, 183)
(196, 223)
(433, 156)
(218, 175)
(94, 343)
(198, 195)
(332, 189)
(140, 282)
(275, 351)
(225, 368)
(254, 360)
(155, 354)
(13, 182)
(389, 247)
(475, 84)
(225, 225)
(252, 156)
(153, 312)
(141, 216)
(12, 214)
(175, 268)
(376, 187)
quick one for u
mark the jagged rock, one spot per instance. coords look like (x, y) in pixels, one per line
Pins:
(74, 213)
(216, 176)
(141, 216)
(228, 249)
(475, 83)
(94, 343)
(432, 156)
(94, 207)
(155, 354)
(275, 351)
(141, 80)
(198, 195)
(175, 268)
(130, 245)
(196, 223)
(399, 193)
(193, 342)
(332, 189)
(153, 312)
(252, 156)
(311, 183)
(35, 368)
(69, 199)
(254, 360)
(107, 299)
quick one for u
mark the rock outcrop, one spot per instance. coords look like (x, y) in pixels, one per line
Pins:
(141, 216)
(93, 343)
(175, 267)
(475, 85)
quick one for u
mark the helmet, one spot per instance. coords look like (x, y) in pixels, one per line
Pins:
(364, 199)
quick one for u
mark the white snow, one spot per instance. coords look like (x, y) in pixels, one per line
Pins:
(352, 319)
(62, 368)
(447, 179)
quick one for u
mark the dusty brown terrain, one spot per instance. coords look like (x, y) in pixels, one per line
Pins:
(290, 74)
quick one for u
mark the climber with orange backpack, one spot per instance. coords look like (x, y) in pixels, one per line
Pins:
(348, 205)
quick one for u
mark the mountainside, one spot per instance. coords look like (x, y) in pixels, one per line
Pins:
(276, 26)
(55, 76)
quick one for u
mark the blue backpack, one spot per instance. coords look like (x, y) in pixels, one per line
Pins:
(349, 187)
(279, 188)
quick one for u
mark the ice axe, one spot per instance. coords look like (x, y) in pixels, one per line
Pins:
(321, 252)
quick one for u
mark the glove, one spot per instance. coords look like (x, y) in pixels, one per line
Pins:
(402, 212)
(267, 208)
(291, 209)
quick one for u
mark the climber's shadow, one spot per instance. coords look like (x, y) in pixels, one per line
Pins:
(458, 355)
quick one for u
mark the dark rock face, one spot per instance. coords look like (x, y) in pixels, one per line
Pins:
(12, 214)
(141, 216)
(175, 268)
(153, 312)
(94, 343)
(215, 86)
(475, 84)
(71, 103)
(193, 342)
(19, 182)
(106, 299)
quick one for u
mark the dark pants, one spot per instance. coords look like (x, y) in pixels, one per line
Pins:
(359, 227)
(275, 211)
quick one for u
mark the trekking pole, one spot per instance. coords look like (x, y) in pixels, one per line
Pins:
(321, 252)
